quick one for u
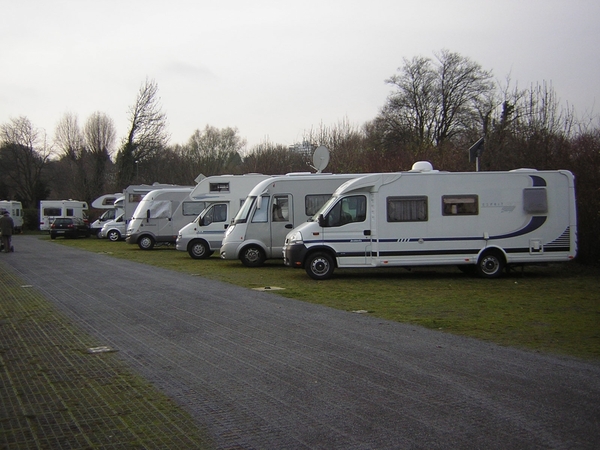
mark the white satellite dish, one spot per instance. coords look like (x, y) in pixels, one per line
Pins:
(320, 158)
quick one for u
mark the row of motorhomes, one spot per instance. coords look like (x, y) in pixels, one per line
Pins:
(480, 221)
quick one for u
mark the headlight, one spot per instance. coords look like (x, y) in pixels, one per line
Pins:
(229, 230)
(294, 238)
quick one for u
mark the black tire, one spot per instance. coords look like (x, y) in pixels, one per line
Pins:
(52, 236)
(253, 256)
(490, 264)
(146, 242)
(113, 235)
(319, 266)
(199, 249)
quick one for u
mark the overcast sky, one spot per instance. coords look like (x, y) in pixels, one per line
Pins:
(274, 68)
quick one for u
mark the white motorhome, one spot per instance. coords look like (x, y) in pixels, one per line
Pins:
(273, 208)
(15, 209)
(160, 215)
(51, 209)
(133, 195)
(223, 194)
(480, 221)
(112, 204)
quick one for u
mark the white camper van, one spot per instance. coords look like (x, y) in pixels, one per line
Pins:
(483, 221)
(160, 215)
(223, 194)
(272, 209)
(133, 195)
(51, 209)
(112, 204)
(15, 209)
(114, 230)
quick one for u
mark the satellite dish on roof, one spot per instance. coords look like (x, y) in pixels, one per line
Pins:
(320, 158)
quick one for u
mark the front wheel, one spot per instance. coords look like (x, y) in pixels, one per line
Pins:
(490, 264)
(199, 250)
(319, 266)
(146, 242)
(113, 235)
(253, 256)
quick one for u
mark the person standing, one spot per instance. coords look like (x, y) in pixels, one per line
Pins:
(7, 226)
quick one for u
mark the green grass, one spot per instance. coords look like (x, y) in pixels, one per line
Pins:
(552, 309)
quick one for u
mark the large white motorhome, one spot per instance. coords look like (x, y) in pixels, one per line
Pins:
(51, 209)
(160, 215)
(481, 221)
(112, 204)
(223, 194)
(272, 209)
(15, 209)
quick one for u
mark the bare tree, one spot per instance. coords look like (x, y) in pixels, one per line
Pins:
(68, 137)
(273, 159)
(99, 134)
(23, 155)
(213, 151)
(147, 132)
(436, 101)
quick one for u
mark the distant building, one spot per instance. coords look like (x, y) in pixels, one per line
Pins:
(305, 149)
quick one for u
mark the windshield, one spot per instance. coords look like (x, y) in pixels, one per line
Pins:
(323, 208)
(242, 215)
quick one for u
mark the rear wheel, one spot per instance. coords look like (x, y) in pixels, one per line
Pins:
(491, 264)
(319, 266)
(113, 235)
(52, 236)
(199, 249)
(253, 256)
(146, 242)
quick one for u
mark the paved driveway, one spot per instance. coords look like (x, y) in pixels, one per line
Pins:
(265, 372)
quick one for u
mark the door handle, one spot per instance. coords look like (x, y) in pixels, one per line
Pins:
(367, 232)
(289, 226)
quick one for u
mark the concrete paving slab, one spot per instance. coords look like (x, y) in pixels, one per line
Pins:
(262, 371)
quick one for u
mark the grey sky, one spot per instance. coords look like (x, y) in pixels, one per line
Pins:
(273, 68)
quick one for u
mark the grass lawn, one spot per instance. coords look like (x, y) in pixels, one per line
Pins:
(554, 308)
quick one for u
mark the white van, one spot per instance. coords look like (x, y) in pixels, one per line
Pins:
(51, 209)
(480, 221)
(114, 230)
(224, 194)
(15, 209)
(272, 209)
(160, 215)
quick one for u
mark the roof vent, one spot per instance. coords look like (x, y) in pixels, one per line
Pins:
(422, 166)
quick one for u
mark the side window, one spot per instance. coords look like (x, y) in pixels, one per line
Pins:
(312, 203)
(406, 209)
(535, 200)
(460, 205)
(52, 211)
(281, 208)
(219, 187)
(192, 208)
(220, 214)
(347, 210)
(70, 212)
(261, 214)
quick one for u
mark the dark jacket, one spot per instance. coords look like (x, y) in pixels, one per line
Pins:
(6, 225)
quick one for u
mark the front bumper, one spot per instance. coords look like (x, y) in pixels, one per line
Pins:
(229, 250)
(293, 255)
(181, 243)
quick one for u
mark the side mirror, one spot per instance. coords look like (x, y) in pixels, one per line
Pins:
(147, 215)
(321, 220)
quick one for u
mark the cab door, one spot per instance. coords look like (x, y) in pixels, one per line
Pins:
(347, 229)
(282, 222)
